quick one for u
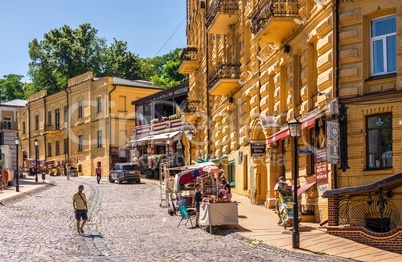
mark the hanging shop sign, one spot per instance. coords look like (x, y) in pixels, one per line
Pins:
(333, 142)
(258, 149)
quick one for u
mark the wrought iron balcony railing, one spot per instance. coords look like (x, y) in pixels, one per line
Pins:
(225, 6)
(224, 71)
(267, 9)
(189, 53)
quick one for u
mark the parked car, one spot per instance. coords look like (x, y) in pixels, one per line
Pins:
(125, 172)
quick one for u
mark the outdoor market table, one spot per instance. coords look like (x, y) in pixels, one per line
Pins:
(215, 214)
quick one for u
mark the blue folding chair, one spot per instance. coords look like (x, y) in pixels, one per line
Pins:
(185, 215)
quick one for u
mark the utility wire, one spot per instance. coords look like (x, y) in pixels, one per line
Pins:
(170, 36)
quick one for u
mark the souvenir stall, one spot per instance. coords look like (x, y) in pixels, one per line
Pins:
(215, 209)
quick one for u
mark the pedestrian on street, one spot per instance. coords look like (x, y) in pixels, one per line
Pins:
(68, 171)
(98, 172)
(198, 200)
(80, 209)
(280, 188)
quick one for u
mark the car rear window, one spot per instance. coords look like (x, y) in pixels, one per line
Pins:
(126, 167)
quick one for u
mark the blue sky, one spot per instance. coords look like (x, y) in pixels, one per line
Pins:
(146, 25)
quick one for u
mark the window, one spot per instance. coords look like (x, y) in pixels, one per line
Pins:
(36, 122)
(7, 122)
(79, 109)
(57, 148)
(49, 118)
(383, 45)
(57, 119)
(23, 127)
(99, 105)
(379, 141)
(49, 149)
(99, 136)
(65, 113)
(80, 139)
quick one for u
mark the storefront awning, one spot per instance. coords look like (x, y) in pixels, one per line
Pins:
(155, 137)
(284, 133)
(306, 186)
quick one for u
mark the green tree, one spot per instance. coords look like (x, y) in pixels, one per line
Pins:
(120, 62)
(65, 53)
(166, 72)
(11, 87)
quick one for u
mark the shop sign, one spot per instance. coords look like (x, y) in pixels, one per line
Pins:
(258, 149)
(333, 143)
(321, 171)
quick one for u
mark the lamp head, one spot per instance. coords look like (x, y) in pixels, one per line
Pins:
(36, 142)
(17, 140)
(294, 128)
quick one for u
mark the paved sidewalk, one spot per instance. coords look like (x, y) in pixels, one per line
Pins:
(27, 186)
(259, 224)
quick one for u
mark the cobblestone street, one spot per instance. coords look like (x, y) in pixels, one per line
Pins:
(125, 224)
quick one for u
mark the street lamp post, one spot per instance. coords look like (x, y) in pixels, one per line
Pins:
(17, 186)
(294, 128)
(36, 143)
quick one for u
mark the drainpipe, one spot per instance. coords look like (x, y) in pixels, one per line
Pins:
(29, 128)
(207, 75)
(67, 126)
(110, 122)
(44, 127)
(336, 79)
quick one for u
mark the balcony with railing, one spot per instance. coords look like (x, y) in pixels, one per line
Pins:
(190, 60)
(224, 79)
(220, 15)
(273, 20)
(52, 128)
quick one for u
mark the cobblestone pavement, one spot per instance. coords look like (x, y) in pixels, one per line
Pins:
(125, 224)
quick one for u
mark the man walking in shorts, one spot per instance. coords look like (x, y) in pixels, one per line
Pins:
(80, 209)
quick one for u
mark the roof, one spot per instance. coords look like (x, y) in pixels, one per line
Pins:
(160, 93)
(15, 102)
(136, 83)
(388, 183)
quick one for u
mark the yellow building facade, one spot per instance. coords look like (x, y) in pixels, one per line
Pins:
(253, 66)
(87, 124)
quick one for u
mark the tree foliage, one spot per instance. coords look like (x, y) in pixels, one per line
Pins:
(11, 87)
(64, 53)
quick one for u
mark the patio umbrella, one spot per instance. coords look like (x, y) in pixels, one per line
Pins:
(211, 169)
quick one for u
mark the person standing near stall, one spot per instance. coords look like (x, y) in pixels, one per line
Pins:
(197, 200)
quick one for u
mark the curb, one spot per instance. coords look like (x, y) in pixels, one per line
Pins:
(23, 195)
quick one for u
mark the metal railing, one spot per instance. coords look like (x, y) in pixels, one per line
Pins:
(226, 6)
(224, 71)
(266, 9)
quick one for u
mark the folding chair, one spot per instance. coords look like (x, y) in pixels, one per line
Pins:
(185, 215)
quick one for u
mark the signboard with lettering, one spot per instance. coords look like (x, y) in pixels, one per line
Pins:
(333, 142)
(258, 149)
(321, 171)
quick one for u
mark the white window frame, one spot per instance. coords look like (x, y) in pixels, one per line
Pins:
(383, 38)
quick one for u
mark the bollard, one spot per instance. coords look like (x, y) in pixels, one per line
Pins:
(43, 176)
